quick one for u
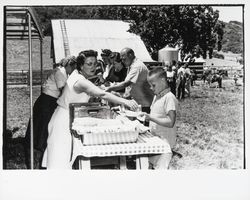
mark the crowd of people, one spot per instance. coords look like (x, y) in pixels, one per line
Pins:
(180, 78)
(121, 78)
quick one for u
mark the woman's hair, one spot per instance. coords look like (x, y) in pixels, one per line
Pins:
(159, 72)
(62, 62)
(116, 56)
(106, 52)
(71, 61)
(83, 55)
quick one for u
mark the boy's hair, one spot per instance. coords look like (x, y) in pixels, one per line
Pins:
(159, 72)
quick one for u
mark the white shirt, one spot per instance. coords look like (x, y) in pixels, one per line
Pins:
(170, 74)
(160, 107)
(57, 79)
(187, 71)
(106, 71)
(181, 70)
(69, 95)
(140, 89)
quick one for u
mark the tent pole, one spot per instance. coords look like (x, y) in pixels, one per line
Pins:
(31, 95)
(41, 60)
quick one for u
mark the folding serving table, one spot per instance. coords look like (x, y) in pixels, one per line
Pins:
(147, 144)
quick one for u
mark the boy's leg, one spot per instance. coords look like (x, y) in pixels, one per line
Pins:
(160, 161)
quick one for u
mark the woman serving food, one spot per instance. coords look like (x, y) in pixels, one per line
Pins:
(78, 89)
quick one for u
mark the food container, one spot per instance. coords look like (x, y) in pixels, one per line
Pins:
(96, 125)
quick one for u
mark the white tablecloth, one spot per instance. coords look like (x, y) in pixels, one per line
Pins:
(146, 144)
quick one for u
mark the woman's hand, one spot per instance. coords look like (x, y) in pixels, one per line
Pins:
(131, 104)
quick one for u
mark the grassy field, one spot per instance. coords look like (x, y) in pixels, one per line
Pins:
(210, 128)
(209, 125)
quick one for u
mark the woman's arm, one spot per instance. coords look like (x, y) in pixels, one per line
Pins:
(88, 87)
(168, 121)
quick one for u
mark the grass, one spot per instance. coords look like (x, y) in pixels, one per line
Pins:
(209, 127)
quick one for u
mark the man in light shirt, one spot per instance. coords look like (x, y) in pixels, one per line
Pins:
(136, 80)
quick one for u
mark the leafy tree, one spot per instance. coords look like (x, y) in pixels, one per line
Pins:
(195, 29)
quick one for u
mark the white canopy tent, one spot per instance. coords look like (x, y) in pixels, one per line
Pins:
(75, 35)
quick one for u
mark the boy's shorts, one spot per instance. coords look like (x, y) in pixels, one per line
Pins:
(160, 161)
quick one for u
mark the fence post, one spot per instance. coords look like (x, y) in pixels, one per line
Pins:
(28, 78)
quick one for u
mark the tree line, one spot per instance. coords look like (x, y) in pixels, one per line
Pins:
(194, 28)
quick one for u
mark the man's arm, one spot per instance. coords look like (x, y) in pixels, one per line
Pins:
(119, 86)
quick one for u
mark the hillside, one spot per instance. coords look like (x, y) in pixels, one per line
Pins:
(233, 37)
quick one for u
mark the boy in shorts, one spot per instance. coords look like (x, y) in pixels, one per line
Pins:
(162, 118)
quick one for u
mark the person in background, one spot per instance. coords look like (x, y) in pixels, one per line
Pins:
(119, 71)
(136, 80)
(174, 66)
(45, 105)
(171, 79)
(236, 77)
(187, 75)
(162, 118)
(78, 89)
(193, 77)
(180, 82)
(206, 72)
(107, 61)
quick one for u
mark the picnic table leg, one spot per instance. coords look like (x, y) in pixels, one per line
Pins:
(123, 163)
(84, 163)
(142, 162)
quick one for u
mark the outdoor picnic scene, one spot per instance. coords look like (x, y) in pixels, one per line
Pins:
(123, 87)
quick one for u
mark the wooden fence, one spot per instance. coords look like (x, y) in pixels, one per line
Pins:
(21, 77)
(231, 69)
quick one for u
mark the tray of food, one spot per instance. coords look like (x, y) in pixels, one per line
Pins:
(96, 124)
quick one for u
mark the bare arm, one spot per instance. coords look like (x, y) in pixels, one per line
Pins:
(168, 121)
(61, 89)
(89, 88)
(119, 86)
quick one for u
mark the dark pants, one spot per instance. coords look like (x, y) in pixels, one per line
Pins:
(172, 85)
(181, 88)
(43, 110)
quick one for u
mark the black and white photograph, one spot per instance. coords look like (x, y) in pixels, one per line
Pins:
(123, 90)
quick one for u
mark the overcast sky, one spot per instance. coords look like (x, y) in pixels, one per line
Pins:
(230, 13)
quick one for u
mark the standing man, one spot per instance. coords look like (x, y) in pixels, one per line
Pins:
(136, 80)
(180, 89)
(187, 75)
